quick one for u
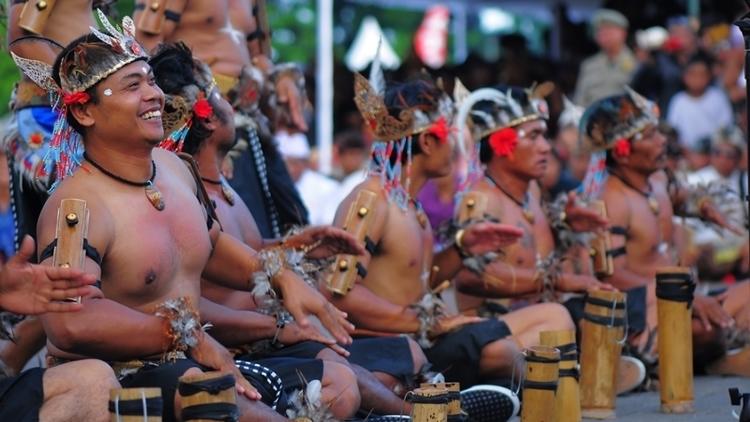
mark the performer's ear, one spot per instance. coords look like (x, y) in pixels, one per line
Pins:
(426, 143)
(82, 114)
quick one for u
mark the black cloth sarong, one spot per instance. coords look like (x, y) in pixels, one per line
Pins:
(22, 396)
(457, 354)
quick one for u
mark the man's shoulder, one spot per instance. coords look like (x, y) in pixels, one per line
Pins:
(593, 61)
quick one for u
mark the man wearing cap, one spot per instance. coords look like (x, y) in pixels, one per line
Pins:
(608, 71)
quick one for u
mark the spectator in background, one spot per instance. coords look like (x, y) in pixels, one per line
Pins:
(607, 72)
(701, 109)
(352, 155)
(319, 193)
(727, 149)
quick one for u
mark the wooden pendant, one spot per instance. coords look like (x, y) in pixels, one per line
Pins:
(226, 191)
(654, 205)
(154, 196)
(528, 215)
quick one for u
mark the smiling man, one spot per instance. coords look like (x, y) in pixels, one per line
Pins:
(150, 239)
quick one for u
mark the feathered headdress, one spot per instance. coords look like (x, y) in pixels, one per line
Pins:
(80, 68)
(183, 103)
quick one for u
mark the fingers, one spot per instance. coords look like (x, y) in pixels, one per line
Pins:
(335, 322)
(62, 307)
(244, 388)
(73, 276)
(703, 317)
(340, 350)
(25, 251)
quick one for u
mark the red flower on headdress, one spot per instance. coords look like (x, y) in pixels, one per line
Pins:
(202, 108)
(440, 129)
(75, 98)
(622, 147)
(36, 139)
(503, 142)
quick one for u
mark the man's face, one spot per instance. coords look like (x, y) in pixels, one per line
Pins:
(610, 37)
(648, 152)
(439, 163)
(531, 156)
(725, 158)
(130, 106)
(224, 133)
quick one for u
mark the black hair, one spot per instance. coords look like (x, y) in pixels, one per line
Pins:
(700, 57)
(175, 69)
(419, 94)
(350, 140)
(56, 68)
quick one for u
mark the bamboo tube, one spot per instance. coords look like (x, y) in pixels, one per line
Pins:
(540, 384)
(674, 293)
(135, 405)
(194, 395)
(430, 404)
(602, 328)
(454, 397)
(600, 245)
(568, 397)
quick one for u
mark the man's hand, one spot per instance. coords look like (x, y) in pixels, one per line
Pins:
(446, 324)
(581, 283)
(213, 355)
(324, 242)
(582, 219)
(292, 333)
(291, 99)
(302, 300)
(32, 289)
(709, 311)
(484, 237)
(709, 212)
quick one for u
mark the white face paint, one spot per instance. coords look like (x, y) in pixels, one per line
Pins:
(144, 70)
(107, 92)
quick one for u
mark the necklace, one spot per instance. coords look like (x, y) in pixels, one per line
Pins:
(527, 213)
(652, 202)
(152, 193)
(226, 192)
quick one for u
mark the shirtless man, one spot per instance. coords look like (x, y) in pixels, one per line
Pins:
(245, 75)
(209, 141)
(27, 136)
(515, 151)
(398, 270)
(53, 394)
(640, 211)
(150, 238)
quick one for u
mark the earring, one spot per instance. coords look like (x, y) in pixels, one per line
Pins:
(108, 92)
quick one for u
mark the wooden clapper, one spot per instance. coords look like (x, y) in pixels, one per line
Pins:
(71, 232)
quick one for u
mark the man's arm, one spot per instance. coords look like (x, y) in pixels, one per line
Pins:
(161, 22)
(39, 50)
(369, 311)
(619, 217)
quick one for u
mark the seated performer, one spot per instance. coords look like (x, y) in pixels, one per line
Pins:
(208, 139)
(40, 35)
(149, 238)
(640, 208)
(53, 394)
(399, 272)
(514, 149)
(256, 170)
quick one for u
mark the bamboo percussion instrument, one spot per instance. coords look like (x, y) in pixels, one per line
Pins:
(34, 15)
(600, 246)
(674, 297)
(135, 405)
(454, 399)
(71, 233)
(568, 397)
(540, 384)
(209, 396)
(602, 329)
(430, 404)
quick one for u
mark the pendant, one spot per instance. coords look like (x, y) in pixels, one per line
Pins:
(226, 191)
(654, 205)
(154, 196)
(528, 215)
(422, 218)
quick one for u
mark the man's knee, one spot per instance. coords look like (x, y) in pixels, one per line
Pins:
(419, 360)
(90, 374)
(555, 315)
(340, 391)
